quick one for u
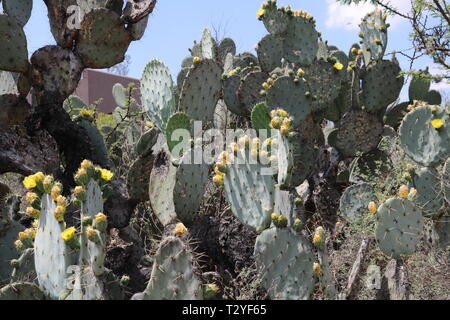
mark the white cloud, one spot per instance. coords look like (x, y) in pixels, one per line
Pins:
(349, 16)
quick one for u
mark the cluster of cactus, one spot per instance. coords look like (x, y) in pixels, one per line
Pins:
(296, 81)
(68, 263)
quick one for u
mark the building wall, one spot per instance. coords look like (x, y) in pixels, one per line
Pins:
(95, 85)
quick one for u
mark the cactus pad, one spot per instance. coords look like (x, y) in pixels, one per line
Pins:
(285, 261)
(19, 9)
(354, 200)
(13, 53)
(374, 34)
(429, 197)
(249, 92)
(399, 226)
(173, 275)
(373, 166)
(270, 52)
(201, 91)
(420, 140)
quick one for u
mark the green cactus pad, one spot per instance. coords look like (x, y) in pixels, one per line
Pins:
(285, 205)
(178, 123)
(190, 186)
(24, 270)
(381, 76)
(21, 291)
(270, 52)
(275, 19)
(226, 46)
(290, 96)
(162, 182)
(208, 45)
(285, 261)
(446, 180)
(138, 178)
(261, 118)
(372, 167)
(137, 30)
(395, 115)
(55, 72)
(249, 187)
(173, 275)
(434, 98)
(301, 41)
(157, 95)
(249, 92)
(103, 39)
(359, 132)
(201, 91)
(100, 151)
(230, 88)
(419, 87)
(374, 32)
(429, 196)
(51, 255)
(146, 142)
(13, 52)
(355, 199)
(8, 251)
(182, 76)
(296, 159)
(244, 60)
(421, 141)
(399, 226)
(18, 9)
(324, 83)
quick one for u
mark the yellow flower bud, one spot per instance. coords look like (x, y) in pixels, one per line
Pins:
(31, 197)
(196, 60)
(78, 190)
(100, 217)
(180, 230)
(316, 268)
(372, 207)
(86, 164)
(403, 191)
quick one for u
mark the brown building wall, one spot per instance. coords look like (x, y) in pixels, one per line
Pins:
(95, 85)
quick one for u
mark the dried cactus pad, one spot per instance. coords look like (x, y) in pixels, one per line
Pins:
(285, 262)
(103, 39)
(399, 226)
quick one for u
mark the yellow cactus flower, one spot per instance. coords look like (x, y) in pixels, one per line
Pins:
(32, 212)
(81, 172)
(48, 180)
(196, 60)
(437, 123)
(403, 191)
(61, 201)
(30, 233)
(282, 113)
(78, 190)
(287, 122)
(86, 113)
(59, 213)
(300, 72)
(316, 268)
(100, 217)
(338, 66)
(149, 124)
(55, 192)
(275, 123)
(39, 176)
(232, 72)
(106, 174)
(22, 236)
(260, 13)
(372, 207)
(68, 234)
(218, 179)
(18, 244)
(274, 216)
(31, 197)
(86, 164)
(29, 182)
(180, 229)
(317, 238)
(266, 86)
(284, 130)
(360, 52)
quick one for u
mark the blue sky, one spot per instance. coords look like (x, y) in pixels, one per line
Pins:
(175, 24)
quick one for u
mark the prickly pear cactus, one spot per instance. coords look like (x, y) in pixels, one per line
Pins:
(285, 261)
(425, 135)
(374, 35)
(399, 226)
(429, 198)
(52, 256)
(173, 275)
(354, 200)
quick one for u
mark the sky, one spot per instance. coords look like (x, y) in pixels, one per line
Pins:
(175, 24)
